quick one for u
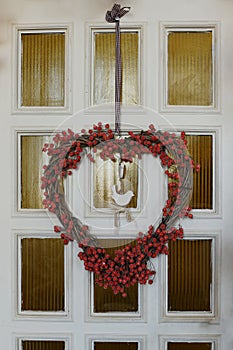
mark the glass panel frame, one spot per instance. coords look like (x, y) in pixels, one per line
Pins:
(20, 339)
(165, 30)
(139, 339)
(17, 165)
(47, 135)
(90, 70)
(194, 316)
(115, 315)
(17, 86)
(215, 168)
(92, 211)
(32, 314)
(189, 275)
(214, 340)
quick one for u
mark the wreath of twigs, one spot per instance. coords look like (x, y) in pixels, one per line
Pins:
(131, 264)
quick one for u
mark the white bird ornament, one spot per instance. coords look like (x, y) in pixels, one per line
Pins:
(121, 199)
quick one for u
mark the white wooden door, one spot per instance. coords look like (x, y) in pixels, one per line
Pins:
(54, 75)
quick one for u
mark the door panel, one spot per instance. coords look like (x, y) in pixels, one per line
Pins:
(59, 57)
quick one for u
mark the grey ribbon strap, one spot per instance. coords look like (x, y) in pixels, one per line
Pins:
(114, 16)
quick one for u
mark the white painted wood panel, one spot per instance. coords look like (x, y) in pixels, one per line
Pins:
(78, 331)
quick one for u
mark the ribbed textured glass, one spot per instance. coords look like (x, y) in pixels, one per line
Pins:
(104, 68)
(42, 274)
(31, 171)
(104, 299)
(201, 150)
(189, 275)
(190, 68)
(43, 69)
(43, 345)
(189, 346)
(106, 175)
(115, 346)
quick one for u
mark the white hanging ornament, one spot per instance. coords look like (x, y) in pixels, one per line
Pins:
(121, 199)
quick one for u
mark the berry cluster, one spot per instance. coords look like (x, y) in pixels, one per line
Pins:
(131, 264)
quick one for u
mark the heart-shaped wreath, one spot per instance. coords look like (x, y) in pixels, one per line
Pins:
(130, 265)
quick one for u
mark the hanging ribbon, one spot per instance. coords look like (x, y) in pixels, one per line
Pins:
(114, 16)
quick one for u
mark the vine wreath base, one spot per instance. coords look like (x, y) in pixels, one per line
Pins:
(131, 264)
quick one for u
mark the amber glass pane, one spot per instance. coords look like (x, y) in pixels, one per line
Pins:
(201, 150)
(115, 346)
(31, 172)
(42, 284)
(189, 346)
(43, 69)
(43, 345)
(104, 299)
(106, 175)
(104, 68)
(189, 275)
(190, 71)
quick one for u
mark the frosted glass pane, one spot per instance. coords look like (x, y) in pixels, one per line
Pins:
(43, 69)
(189, 346)
(104, 68)
(201, 150)
(104, 299)
(115, 346)
(31, 171)
(43, 345)
(106, 175)
(190, 68)
(189, 275)
(42, 274)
